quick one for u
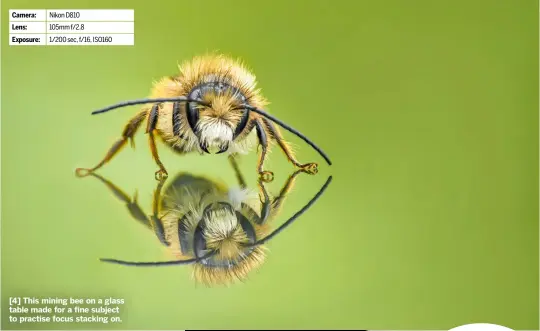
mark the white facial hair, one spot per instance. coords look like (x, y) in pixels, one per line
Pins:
(215, 133)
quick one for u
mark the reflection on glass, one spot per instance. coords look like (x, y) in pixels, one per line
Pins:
(220, 231)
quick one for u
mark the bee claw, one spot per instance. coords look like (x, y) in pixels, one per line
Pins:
(223, 150)
(266, 176)
(82, 172)
(310, 168)
(204, 147)
(161, 174)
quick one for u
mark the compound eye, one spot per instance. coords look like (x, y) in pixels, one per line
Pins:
(197, 95)
(220, 88)
(199, 242)
(192, 110)
(247, 227)
(183, 233)
(242, 123)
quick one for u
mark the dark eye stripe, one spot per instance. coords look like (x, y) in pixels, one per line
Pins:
(177, 120)
(199, 241)
(242, 124)
(247, 227)
(192, 114)
(183, 234)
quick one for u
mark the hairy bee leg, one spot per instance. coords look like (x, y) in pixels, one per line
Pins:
(277, 203)
(266, 203)
(239, 177)
(129, 131)
(156, 222)
(310, 168)
(150, 128)
(162, 172)
(271, 207)
(131, 203)
(266, 176)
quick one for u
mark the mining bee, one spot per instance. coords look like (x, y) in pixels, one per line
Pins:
(214, 228)
(213, 104)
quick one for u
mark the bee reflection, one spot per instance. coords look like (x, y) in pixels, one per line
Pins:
(221, 231)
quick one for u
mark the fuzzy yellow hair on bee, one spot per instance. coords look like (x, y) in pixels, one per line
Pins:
(228, 226)
(212, 104)
(227, 234)
(215, 229)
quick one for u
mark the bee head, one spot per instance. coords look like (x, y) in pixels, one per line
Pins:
(219, 118)
(222, 245)
(227, 233)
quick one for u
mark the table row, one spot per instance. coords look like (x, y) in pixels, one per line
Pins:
(75, 27)
(41, 15)
(71, 39)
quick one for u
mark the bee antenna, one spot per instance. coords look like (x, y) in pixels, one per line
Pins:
(294, 217)
(251, 108)
(290, 129)
(157, 263)
(145, 101)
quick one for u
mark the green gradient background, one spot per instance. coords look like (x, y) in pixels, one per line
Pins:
(427, 108)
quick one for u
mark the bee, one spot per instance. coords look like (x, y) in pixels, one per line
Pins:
(213, 104)
(214, 228)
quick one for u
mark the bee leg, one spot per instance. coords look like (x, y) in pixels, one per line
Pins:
(265, 176)
(277, 203)
(150, 129)
(239, 177)
(265, 201)
(162, 172)
(129, 131)
(310, 168)
(266, 204)
(271, 207)
(156, 220)
(131, 203)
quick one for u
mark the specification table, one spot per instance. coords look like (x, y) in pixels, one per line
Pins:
(71, 27)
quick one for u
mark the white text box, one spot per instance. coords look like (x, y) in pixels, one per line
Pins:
(26, 15)
(61, 15)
